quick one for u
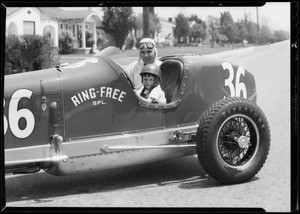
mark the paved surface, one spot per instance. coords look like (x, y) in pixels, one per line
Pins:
(182, 182)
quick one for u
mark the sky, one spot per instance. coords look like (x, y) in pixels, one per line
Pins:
(276, 15)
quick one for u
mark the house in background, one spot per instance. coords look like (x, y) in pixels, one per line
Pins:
(164, 37)
(51, 21)
(167, 31)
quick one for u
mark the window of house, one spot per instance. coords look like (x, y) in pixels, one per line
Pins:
(73, 30)
(29, 27)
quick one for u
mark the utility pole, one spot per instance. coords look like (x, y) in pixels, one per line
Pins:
(257, 22)
(146, 26)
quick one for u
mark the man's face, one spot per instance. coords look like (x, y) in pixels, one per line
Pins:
(147, 55)
(148, 81)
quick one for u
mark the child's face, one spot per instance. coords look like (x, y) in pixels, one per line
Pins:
(148, 81)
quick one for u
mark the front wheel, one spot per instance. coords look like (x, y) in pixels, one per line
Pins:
(233, 140)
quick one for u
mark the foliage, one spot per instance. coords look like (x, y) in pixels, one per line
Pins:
(198, 31)
(118, 21)
(66, 42)
(89, 38)
(129, 42)
(241, 33)
(264, 35)
(214, 31)
(29, 53)
(227, 27)
(101, 39)
(49, 54)
(251, 29)
(13, 54)
(154, 24)
(182, 28)
(195, 18)
(281, 35)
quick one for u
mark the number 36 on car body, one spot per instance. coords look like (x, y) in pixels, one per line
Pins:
(15, 114)
(238, 86)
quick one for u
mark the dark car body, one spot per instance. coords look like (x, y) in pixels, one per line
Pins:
(86, 116)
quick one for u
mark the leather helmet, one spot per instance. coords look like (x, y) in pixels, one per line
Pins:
(152, 69)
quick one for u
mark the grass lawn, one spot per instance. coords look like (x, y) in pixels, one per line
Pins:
(162, 51)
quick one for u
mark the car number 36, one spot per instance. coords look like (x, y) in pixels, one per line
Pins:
(238, 86)
(15, 114)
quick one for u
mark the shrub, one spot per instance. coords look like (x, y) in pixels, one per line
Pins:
(129, 42)
(65, 42)
(49, 57)
(137, 42)
(101, 39)
(89, 38)
(29, 53)
(13, 55)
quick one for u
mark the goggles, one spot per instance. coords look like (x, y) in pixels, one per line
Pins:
(149, 45)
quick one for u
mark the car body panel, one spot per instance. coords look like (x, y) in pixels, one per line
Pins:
(66, 117)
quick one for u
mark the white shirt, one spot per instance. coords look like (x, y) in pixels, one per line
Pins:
(157, 94)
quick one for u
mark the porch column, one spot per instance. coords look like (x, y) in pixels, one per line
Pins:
(83, 35)
(56, 38)
(95, 36)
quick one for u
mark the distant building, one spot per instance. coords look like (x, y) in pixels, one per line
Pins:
(51, 21)
(167, 33)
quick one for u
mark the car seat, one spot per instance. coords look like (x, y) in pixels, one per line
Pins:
(172, 70)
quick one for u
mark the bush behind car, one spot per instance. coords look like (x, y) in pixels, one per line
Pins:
(28, 53)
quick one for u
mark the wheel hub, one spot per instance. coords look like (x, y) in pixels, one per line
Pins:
(243, 141)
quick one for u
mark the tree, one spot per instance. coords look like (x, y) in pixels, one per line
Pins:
(146, 27)
(66, 42)
(228, 28)
(198, 31)
(214, 31)
(265, 35)
(154, 23)
(241, 31)
(281, 35)
(118, 21)
(182, 28)
(251, 28)
(195, 18)
(29, 53)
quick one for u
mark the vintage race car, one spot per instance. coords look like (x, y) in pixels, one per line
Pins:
(86, 116)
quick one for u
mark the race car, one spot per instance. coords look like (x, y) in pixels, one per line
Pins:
(85, 116)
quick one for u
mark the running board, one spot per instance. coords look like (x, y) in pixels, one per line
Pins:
(112, 148)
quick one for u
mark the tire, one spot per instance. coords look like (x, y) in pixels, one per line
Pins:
(233, 140)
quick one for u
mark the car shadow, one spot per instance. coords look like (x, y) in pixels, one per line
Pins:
(185, 172)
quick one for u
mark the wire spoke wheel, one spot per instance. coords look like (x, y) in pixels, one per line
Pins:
(238, 140)
(233, 140)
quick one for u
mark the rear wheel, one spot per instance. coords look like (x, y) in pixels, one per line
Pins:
(233, 140)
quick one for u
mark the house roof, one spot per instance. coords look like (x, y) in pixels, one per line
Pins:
(57, 13)
(164, 20)
(191, 23)
(11, 10)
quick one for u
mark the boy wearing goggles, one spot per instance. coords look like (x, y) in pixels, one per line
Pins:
(147, 55)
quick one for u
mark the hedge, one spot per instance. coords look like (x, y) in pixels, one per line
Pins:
(28, 53)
